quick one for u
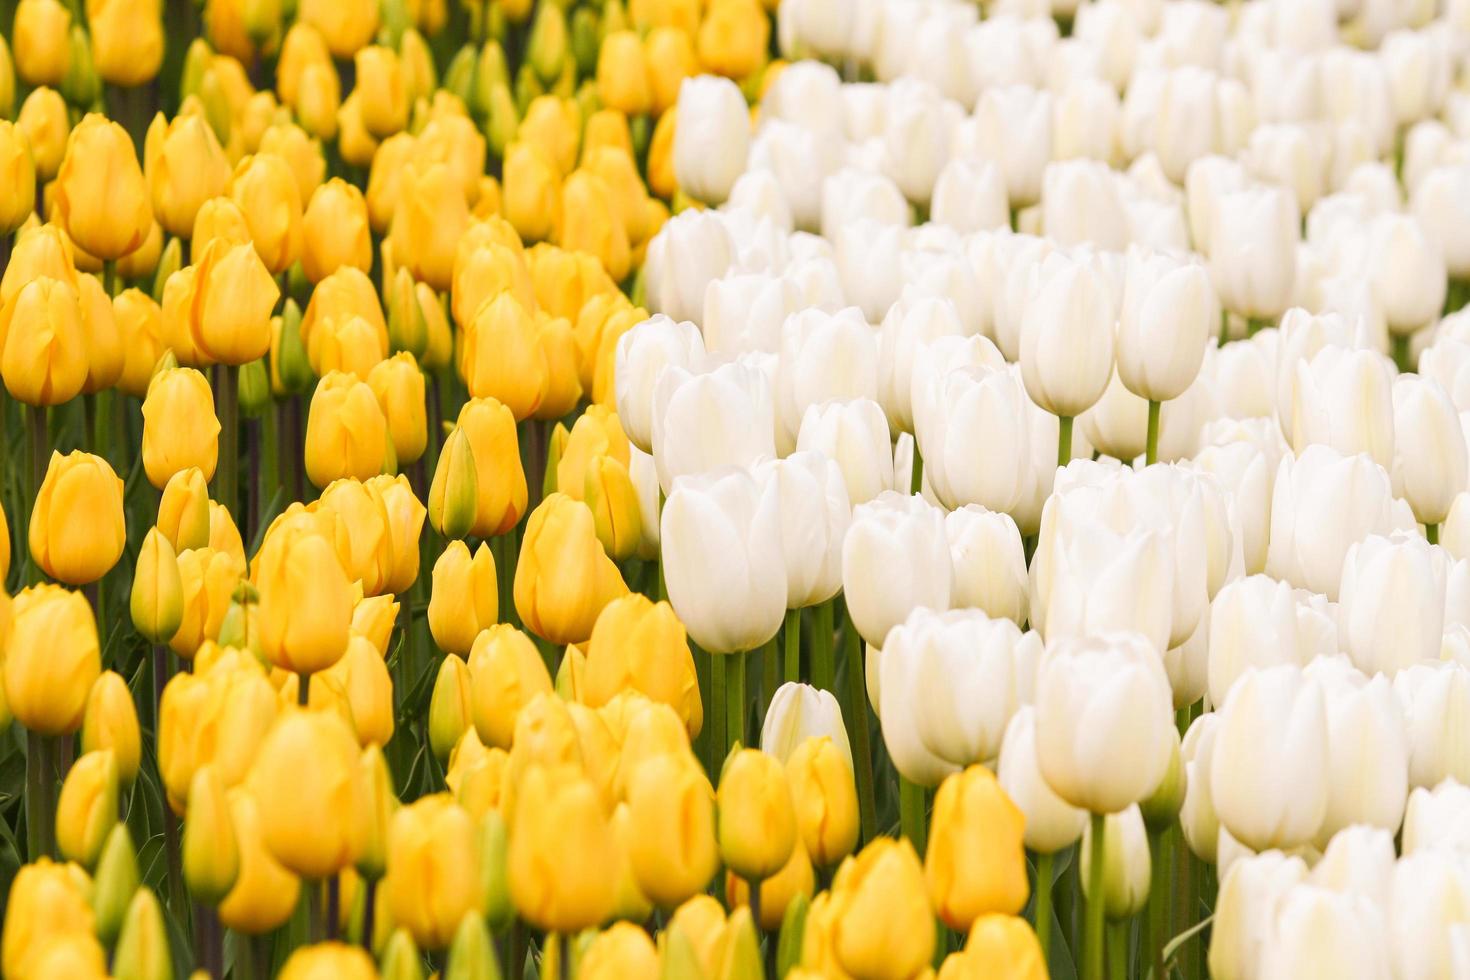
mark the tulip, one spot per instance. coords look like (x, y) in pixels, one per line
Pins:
(500, 485)
(563, 578)
(102, 199)
(180, 429)
(305, 607)
(346, 432)
(1126, 864)
(1319, 928)
(208, 579)
(711, 141)
(503, 357)
(880, 924)
(725, 513)
(110, 723)
(87, 809)
(80, 495)
(1322, 503)
(1067, 338)
(532, 190)
(1368, 780)
(975, 863)
(672, 851)
(1384, 628)
(1169, 311)
(579, 850)
(313, 828)
(50, 906)
(20, 174)
(1081, 204)
(756, 817)
(1434, 696)
(44, 361)
(43, 120)
(1429, 445)
(185, 167)
(1252, 239)
(453, 495)
(368, 689)
(894, 531)
(1198, 820)
(506, 672)
(623, 950)
(433, 855)
(329, 959)
(908, 346)
(450, 711)
(799, 712)
(431, 215)
(142, 948)
(211, 853)
(1333, 379)
(690, 251)
(639, 645)
(335, 231)
(42, 56)
(52, 659)
(982, 410)
(265, 893)
(642, 353)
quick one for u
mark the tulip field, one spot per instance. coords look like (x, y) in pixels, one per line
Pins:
(735, 489)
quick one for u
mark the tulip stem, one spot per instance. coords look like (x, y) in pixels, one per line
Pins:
(823, 669)
(1151, 450)
(334, 906)
(1118, 950)
(40, 795)
(109, 277)
(1157, 902)
(1092, 941)
(1398, 345)
(771, 669)
(855, 711)
(227, 405)
(716, 714)
(303, 689)
(1045, 864)
(369, 913)
(39, 440)
(911, 812)
(1431, 531)
(792, 637)
(735, 692)
(1064, 439)
(753, 885)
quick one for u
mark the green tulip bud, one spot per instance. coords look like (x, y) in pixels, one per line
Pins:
(742, 959)
(680, 960)
(255, 389)
(793, 932)
(373, 862)
(547, 48)
(493, 68)
(217, 110)
(211, 852)
(449, 707)
(459, 77)
(401, 959)
(585, 41)
(142, 947)
(196, 62)
(455, 492)
(472, 953)
(407, 328)
(114, 883)
(528, 89)
(169, 262)
(7, 81)
(500, 912)
(1162, 806)
(81, 86)
(294, 368)
(503, 121)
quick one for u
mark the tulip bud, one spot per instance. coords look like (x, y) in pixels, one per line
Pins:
(494, 886)
(463, 599)
(547, 46)
(757, 821)
(451, 711)
(180, 429)
(881, 924)
(373, 861)
(42, 48)
(19, 174)
(211, 852)
(335, 231)
(305, 600)
(101, 198)
(563, 578)
(401, 959)
(44, 361)
(142, 951)
(86, 811)
(472, 954)
(52, 659)
(111, 723)
(157, 598)
(49, 906)
(577, 853)
(454, 493)
(329, 960)
(1160, 808)
(114, 883)
(824, 794)
(532, 195)
(1126, 863)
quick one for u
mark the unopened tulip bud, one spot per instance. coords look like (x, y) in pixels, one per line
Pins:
(86, 811)
(494, 885)
(42, 46)
(463, 599)
(180, 429)
(757, 821)
(454, 493)
(101, 198)
(52, 659)
(142, 951)
(114, 882)
(1162, 807)
(451, 711)
(18, 198)
(77, 524)
(157, 598)
(211, 851)
(401, 959)
(472, 954)
(329, 961)
(111, 723)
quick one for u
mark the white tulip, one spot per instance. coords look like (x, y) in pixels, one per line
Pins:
(721, 539)
(641, 356)
(1105, 580)
(1253, 623)
(910, 323)
(916, 138)
(744, 313)
(710, 147)
(851, 195)
(1393, 601)
(1085, 120)
(1436, 702)
(1197, 818)
(1325, 933)
(1359, 860)
(913, 404)
(1005, 272)
(1104, 720)
(1408, 272)
(1067, 337)
(1080, 204)
(1268, 775)
(1418, 68)
(1344, 399)
(1193, 33)
(1012, 125)
(693, 248)
(895, 559)
(1253, 241)
(989, 563)
(1354, 89)
(759, 192)
(974, 439)
(800, 158)
(855, 434)
(814, 516)
(799, 712)
(704, 421)
(1367, 750)
(1430, 896)
(1126, 863)
(1290, 155)
(1441, 203)
(1301, 337)
(1169, 313)
(1438, 819)
(970, 195)
(1322, 503)
(1246, 912)
(1186, 121)
(1246, 470)
(824, 357)
(867, 256)
(1051, 822)
(1208, 180)
(1431, 462)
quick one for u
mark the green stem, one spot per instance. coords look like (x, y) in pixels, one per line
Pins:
(823, 666)
(770, 672)
(1092, 943)
(1431, 531)
(1064, 439)
(735, 705)
(1151, 450)
(109, 277)
(911, 813)
(1398, 344)
(1118, 950)
(1045, 863)
(40, 796)
(916, 478)
(754, 885)
(226, 377)
(792, 636)
(663, 586)
(40, 446)
(718, 665)
(1158, 902)
(855, 712)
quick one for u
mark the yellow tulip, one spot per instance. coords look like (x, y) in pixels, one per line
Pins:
(52, 659)
(142, 262)
(40, 251)
(345, 293)
(302, 152)
(399, 385)
(157, 599)
(623, 950)
(733, 38)
(562, 871)
(976, 861)
(217, 218)
(269, 196)
(384, 179)
(346, 433)
(825, 797)
(86, 811)
(350, 344)
(265, 892)
(500, 481)
(77, 529)
(111, 723)
(672, 807)
(183, 510)
(430, 216)
(555, 126)
(185, 166)
(592, 223)
(453, 140)
(368, 687)
(622, 74)
(384, 94)
(44, 360)
(639, 645)
(365, 545)
(17, 177)
(532, 190)
(311, 793)
(484, 270)
(450, 711)
(305, 600)
(373, 619)
(303, 45)
(661, 179)
(506, 672)
(776, 892)
(208, 579)
(48, 903)
(180, 429)
(329, 961)
(881, 926)
(44, 121)
(211, 851)
(229, 318)
(1001, 946)
(699, 924)
(502, 357)
(102, 199)
(671, 59)
(40, 36)
(433, 867)
(563, 578)
(649, 14)
(757, 821)
(140, 328)
(99, 329)
(464, 597)
(335, 231)
(344, 26)
(405, 524)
